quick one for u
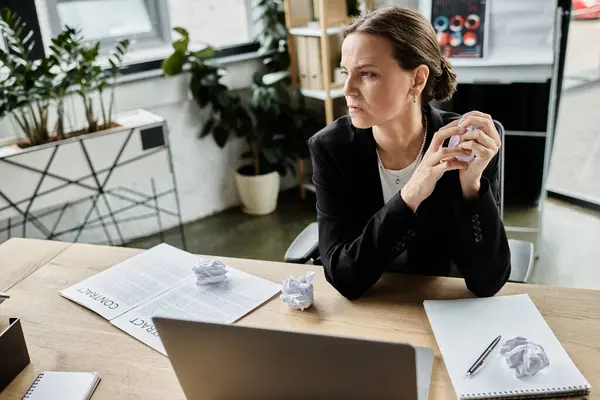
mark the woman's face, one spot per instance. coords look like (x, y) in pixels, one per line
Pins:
(376, 88)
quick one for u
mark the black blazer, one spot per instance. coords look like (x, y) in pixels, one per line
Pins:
(359, 236)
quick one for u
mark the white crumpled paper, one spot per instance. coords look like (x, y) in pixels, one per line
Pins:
(455, 141)
(298, 293)
(209, 271)
(527, 358)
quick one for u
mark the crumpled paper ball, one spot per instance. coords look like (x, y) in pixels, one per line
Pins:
(209, 271)
(527, 358)
(455, 141)
(298, 293)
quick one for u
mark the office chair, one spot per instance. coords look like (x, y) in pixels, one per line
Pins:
(305, 246)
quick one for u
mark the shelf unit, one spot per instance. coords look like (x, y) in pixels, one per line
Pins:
(331, 90)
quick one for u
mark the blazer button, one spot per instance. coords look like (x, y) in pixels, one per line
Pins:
(412, 233)
(478, 238)
(475, 218)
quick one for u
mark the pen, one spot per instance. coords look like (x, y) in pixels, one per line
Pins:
(475, 367)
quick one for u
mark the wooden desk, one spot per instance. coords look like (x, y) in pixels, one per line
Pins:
(64, 336)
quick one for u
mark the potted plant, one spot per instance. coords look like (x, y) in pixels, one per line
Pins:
(267, 136)
(30, 87)
(272, 122)
(55, 160)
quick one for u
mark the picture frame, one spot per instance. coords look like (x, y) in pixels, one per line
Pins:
(462, 27)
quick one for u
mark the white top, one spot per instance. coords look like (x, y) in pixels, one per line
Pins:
(391, 187)
(389, 184)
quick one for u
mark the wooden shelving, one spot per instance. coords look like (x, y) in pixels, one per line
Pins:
(300, 21)
(312, 31)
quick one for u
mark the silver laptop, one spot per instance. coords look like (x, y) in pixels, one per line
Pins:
(214, 361)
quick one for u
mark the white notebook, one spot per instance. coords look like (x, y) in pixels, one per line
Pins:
(464, 328)
(53, 385)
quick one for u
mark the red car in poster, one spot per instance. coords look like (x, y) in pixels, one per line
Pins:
(586, 9)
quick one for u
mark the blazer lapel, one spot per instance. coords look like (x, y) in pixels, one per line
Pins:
(366, 170)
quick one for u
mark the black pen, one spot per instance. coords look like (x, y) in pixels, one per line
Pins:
(475, 367)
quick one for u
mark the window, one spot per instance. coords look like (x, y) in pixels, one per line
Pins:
(148, 23)
(219, 23)
(144, 22)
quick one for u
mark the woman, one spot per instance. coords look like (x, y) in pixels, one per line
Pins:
(390, 194)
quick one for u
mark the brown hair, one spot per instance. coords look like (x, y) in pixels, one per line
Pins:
(414, 42)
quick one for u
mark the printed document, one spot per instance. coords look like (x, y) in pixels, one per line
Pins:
(160, 282)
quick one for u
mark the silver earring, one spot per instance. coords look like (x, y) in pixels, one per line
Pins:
(414, 98)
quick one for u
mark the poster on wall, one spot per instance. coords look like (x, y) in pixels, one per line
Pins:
(461, 27)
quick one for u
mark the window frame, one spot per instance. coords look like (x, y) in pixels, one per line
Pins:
(245, 50)
(158, 11)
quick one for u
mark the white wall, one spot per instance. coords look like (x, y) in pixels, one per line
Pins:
(204, 172)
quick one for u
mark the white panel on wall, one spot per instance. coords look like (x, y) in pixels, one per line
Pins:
(65, 194)
(155, 165)
(66, 157)
(412, 4)
(37, 159)
(8, 213)
(28, 181)
(91, 182)
(133, 148)
(50, 183)
(102, 177)
(104, 149)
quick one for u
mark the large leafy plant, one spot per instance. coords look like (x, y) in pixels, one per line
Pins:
(226, 114)
(272, 37)
(266, 121)
(30, 86)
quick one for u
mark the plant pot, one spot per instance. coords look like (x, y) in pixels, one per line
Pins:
(68, 170)
(258, 193)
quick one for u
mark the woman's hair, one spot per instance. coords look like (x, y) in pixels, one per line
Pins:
(414, 42)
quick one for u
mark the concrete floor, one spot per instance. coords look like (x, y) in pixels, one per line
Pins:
(569, 247)
(234, 234)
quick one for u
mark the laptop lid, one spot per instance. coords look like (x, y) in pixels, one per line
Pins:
(214, 361)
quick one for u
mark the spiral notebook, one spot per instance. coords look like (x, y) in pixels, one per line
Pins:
(464, 328)
(52, 385)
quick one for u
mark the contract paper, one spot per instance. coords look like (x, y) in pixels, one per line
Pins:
(161, 282)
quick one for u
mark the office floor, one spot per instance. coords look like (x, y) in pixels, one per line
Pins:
(568, 251)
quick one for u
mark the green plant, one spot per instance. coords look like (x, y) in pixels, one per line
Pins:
(80, 69)
(30, 86)
(226, 115)
(353, 7)
(273, 35)
(265, 121)
(24, 85)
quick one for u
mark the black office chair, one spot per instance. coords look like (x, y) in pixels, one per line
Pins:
(305, 246)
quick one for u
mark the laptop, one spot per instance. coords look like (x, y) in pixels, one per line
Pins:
(215, 361)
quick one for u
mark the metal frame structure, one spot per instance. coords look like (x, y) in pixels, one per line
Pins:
(133, 198)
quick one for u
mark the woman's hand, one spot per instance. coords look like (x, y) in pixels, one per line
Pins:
(436, 161)
(484, 142)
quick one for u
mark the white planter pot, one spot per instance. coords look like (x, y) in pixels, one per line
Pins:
(258, 193)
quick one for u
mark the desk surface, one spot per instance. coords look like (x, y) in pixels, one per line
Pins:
(64, 336)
